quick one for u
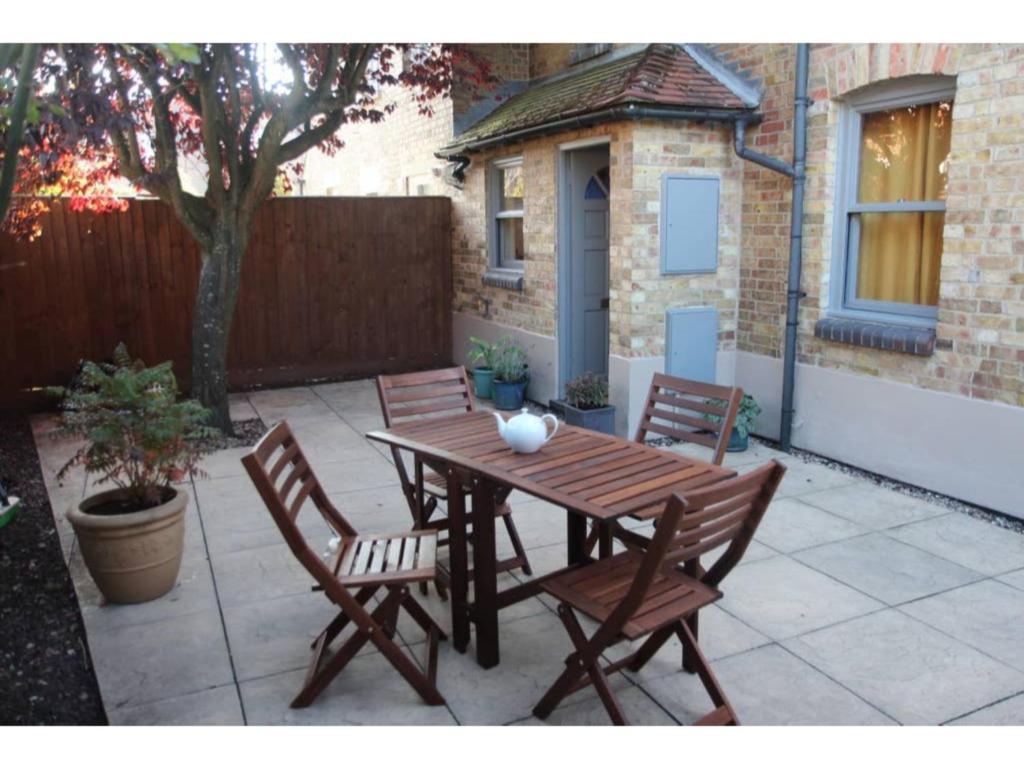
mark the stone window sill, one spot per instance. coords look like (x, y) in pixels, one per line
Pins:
(890, 337)
(509, 279)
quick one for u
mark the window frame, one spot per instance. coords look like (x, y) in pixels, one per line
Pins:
(846, 226)
(494, 214)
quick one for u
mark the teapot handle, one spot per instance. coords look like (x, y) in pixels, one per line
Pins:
(554, 421)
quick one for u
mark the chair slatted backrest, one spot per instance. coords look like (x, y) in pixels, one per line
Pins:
(422, 395)
(727, 512)
(425, 394)
(679, 408)
(286, 483)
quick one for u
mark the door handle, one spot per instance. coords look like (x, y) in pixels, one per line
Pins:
(604, 303)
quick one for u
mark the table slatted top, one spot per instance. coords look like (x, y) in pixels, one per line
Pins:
(601, 476)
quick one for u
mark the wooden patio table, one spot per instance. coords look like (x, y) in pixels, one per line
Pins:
(589, 474)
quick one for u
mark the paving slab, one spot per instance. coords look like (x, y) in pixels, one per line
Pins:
(274, 405)
(767, 686)
(887, 569)
(234, 517)
(192, 593)
(987, 615)
(533, 651)
(1014, 579)
(259, 574)
(872, 506)
(720, 635)
(782, 598)
(1007, 712)
(805, 477)
(142, 663)
(638, 706)
(907, 669)
(273, 636)
(215, 706)
(368, 692)
(790, 525)
(973, 543)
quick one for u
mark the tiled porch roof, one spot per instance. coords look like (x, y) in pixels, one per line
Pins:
(659, 75)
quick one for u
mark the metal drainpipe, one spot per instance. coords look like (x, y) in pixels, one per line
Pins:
(798, 172)
(793, 292)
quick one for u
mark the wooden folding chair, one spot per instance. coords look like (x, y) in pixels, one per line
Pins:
(431, 394)
(644, 594)
(678, 408)
(363, 564)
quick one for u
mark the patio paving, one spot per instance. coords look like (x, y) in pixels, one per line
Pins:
(855, 604)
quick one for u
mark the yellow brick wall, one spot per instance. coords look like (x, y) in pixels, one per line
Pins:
(640, 293)
(981, 322)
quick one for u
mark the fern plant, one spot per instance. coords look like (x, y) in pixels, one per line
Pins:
(138, 434)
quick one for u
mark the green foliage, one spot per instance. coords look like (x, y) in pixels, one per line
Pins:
(481, 353)
(587, 391)
(139, 435)
(746, 414)
(509, 361)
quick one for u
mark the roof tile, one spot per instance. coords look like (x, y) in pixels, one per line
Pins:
(661, 74)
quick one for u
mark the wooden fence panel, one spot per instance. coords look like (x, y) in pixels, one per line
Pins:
(331, 288)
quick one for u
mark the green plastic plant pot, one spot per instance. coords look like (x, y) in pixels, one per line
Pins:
(9, 512)
(483, 383)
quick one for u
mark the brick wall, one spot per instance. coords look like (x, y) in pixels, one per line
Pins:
(396, 157)
(640, 293)
(980, 348)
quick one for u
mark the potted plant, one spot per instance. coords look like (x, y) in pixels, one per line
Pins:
(511, 375)
(586, 404)
(481, 359)
(746, 417)
(142, 439)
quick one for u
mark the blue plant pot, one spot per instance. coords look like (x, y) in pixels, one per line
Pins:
(737, 442)
(509, 395)
(483, 383)
(597, 419)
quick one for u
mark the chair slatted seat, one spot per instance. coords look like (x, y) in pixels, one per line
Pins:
(360, 567)
(426, 397)
(659, 591)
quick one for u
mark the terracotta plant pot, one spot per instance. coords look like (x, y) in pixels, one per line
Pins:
(132, 557)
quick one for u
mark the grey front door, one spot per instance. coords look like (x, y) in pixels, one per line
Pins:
(588, 261)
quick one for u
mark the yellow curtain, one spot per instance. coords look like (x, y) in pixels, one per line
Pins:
(903, 158)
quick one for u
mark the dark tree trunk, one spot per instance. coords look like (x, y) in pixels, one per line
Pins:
(211, 324)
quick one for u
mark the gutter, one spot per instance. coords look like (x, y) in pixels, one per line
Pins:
(798, 172)
(621, 112)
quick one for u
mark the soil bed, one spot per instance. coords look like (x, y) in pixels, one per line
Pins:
(46, 674)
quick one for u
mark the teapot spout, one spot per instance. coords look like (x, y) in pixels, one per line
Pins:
(501, 424)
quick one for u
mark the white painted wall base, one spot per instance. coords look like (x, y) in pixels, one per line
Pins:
(966, 448)
(541, 351)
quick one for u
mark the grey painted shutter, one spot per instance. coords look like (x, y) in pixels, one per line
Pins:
(689, 224)
(691, 343)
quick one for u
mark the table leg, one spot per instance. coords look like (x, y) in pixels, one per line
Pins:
(604, 533)
(485, 577)
(458, 564)
(576, 534)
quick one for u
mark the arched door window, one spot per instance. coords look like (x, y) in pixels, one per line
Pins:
(598, 186)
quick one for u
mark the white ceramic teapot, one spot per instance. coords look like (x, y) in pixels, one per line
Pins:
(524, 432)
